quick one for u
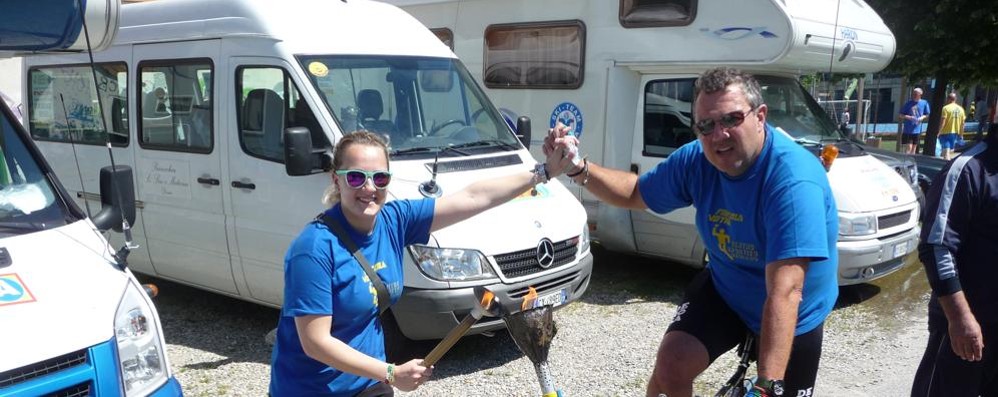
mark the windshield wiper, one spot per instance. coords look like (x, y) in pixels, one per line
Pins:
(21, 226)
(806, 141)
(488, 142)
(429, 149)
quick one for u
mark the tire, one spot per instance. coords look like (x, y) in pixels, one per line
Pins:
(398, 348)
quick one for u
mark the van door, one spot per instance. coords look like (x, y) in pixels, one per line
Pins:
(664, 124)
(269, 207)
(178, 162)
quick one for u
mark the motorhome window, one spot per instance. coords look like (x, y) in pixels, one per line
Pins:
(175, 106)
(28, 202)
(791, 109)
(413, 102)
(269, 102)
(445, 35)
(657, 13)
(667, 116)
(535, 55)
(64, 105)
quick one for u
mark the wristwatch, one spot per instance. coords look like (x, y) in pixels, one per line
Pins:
(773, 387)
(541, 173)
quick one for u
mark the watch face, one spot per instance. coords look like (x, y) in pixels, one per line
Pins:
(777, 388)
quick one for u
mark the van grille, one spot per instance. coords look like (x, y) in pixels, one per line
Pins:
(444, 167)
(42, 368)
(889, 221)
(80, 390)
(524, 262)
(546, 286)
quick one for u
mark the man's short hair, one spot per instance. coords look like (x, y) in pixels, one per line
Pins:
(952, 96)
(718, 79)
(917, 90)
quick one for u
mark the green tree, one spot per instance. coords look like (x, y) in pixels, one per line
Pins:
(953, 41)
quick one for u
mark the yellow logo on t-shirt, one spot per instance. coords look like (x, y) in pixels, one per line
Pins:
(722, 220)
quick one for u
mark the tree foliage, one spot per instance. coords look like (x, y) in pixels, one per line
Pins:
(956, 38)
(953, 41)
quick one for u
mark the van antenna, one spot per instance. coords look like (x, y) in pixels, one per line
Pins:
(72, 143)
(122, 254)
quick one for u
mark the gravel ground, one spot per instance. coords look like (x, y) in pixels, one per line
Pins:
(605, 344)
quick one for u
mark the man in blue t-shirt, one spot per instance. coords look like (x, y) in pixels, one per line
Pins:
(767, 216)
(912, 114)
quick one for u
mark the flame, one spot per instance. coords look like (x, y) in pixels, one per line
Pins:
(487, 298)
(528, 300)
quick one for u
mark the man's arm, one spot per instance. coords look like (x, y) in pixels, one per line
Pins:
(784, 291)
(615, 187)
(965, 335)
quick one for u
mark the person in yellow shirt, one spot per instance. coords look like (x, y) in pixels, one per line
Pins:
(952, 126)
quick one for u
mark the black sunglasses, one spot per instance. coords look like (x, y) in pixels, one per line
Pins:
(730, 120)
(358, 178)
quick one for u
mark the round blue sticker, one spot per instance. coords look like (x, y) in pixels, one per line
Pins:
(570, 115)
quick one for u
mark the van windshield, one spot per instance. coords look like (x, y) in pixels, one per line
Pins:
(794, 111)
(421, 105)
(28, 203)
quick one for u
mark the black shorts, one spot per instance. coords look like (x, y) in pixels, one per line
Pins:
(909, 138)
(706, 316)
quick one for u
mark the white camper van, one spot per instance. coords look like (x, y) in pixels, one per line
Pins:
(621, 74)
(74, 321)
(206, 97)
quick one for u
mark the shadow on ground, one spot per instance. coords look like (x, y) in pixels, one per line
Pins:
(620, 278)
(206, 321)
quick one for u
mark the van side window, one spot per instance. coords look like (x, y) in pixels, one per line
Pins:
(657, 13)
(175, 107)
(62, 107)
(668, 116)
(445, 35)
(535, 55)
(268, 103)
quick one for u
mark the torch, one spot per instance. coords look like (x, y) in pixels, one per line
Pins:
(532, 329)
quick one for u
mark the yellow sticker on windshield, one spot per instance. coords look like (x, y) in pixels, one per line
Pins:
(318, 69)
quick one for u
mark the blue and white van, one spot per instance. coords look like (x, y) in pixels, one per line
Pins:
(74, 321)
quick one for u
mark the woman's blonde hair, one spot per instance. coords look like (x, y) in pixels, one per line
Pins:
(332, 194)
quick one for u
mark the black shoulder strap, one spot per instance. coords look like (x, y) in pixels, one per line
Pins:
(384, 300)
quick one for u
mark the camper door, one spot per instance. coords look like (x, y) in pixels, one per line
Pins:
(664, 124)
(179, 162)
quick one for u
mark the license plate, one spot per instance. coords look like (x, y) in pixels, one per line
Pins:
(554, 299)
(901, 249)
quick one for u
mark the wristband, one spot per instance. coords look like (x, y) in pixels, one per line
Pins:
(391, 374)
(585, 163)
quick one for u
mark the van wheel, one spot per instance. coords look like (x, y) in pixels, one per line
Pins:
(398, 348)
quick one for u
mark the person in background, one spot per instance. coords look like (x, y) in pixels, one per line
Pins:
(767, 216)
(912, 114)
(952, 126)
(329, 339)
(844, 122)
(958, 248)
(981, 114)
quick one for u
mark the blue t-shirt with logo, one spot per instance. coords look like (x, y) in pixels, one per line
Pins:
(782, 207)
(916, 110)
(321, 277)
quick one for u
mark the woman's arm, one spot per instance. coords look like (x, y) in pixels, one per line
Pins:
(313, 332)
(478, 197)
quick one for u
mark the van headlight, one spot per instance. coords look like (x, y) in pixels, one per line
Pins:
(451, 264)
(857, 224)
(584, 239)
(141, 355)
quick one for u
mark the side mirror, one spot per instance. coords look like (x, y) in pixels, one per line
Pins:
(523, 130)
(117, 197)
(299, 156)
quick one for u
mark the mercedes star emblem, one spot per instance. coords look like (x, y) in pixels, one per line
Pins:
(545, 253)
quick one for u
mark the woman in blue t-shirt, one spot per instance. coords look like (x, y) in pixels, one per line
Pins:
(330, 341)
